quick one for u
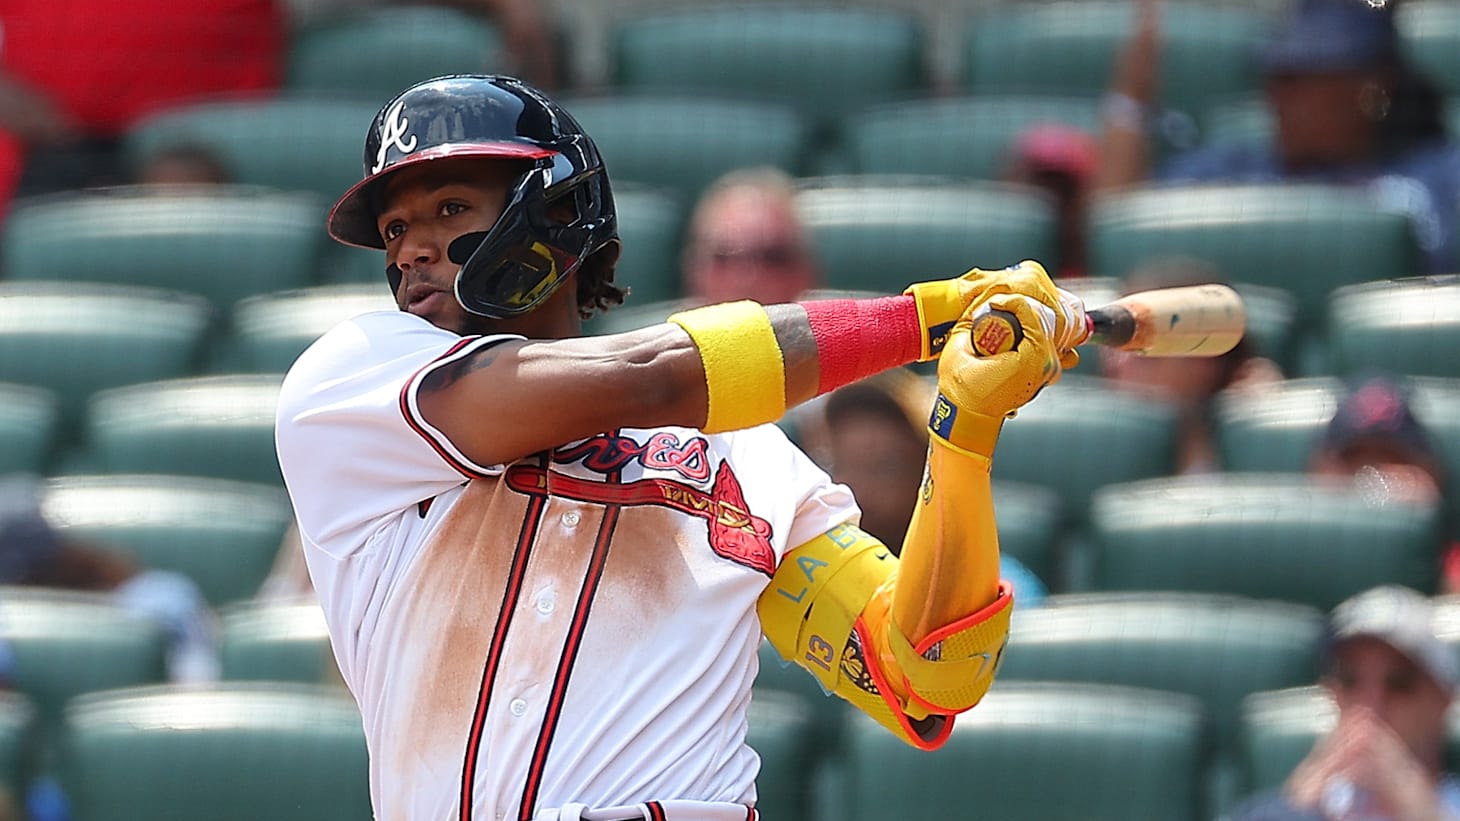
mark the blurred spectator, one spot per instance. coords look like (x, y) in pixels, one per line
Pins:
(1348, 108)
(1190, 383)
(1392, 680)
(1060, 160)
(533, 40)
(872, 436)
(184, 164)
(746, 241)
(35, 553)
(1375, 439)
(76, 74)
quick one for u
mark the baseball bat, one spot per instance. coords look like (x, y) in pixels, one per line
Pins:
(1196, 320)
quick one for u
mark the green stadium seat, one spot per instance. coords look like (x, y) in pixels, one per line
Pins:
(1429, 34)
(1216, 648)
(1241, 120)
(270, 331)
(29, 428)
(375, 53)
(682, 143)
(955, 136)
(781, 730)
(881, 233)
(1082, 434)
(784, 677)
(650, 223)
(17, 742)
(262, 641)
(1400, 326)
(1029, 519)
(1037, 751)
(219, 427)
(223, 535)
(1304, 239)
(1261, 536)
(75, 339)
(229, 753)
(823, 60)
(1277, 729)
(67, 643)
(221, 242)
(306, 143)
(1277, 428)
(1070, 48)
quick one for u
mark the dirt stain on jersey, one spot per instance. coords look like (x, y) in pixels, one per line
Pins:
(648, 574)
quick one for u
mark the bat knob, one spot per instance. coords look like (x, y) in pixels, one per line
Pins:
(995, 331)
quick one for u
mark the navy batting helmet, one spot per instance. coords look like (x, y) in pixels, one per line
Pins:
(527, 254)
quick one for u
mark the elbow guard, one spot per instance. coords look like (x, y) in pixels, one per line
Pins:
(829, 609)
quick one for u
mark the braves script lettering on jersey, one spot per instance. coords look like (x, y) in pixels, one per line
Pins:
(576, 628)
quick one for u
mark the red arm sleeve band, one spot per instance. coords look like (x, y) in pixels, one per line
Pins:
(847, 346)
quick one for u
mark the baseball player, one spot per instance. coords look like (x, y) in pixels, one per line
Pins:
(547, 561)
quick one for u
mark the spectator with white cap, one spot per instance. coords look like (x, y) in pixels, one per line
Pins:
(1392, 680)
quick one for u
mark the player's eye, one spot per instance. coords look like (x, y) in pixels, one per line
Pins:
(452, 208)
(392, 230)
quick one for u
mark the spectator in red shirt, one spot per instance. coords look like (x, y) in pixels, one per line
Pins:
(76, 74)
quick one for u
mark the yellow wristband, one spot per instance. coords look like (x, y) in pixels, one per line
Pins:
(969, 433)
(745, 371)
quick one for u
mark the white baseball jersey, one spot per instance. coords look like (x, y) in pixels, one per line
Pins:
(573, 629)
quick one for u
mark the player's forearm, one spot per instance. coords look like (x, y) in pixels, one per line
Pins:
(949, 565)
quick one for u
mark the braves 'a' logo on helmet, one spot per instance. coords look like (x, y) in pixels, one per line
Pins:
(394, 128)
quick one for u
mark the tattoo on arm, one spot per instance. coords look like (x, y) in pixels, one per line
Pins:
(447, 375)
(798, 351)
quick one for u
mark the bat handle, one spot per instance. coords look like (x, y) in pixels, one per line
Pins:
(1109, 325)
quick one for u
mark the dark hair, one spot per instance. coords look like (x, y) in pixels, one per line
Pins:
(1416, 111)
(596, 291)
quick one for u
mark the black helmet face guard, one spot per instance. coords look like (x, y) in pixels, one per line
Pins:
(525, 257)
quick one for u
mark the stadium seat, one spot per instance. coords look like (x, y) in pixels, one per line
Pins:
(879, 233)
(1070, 48)
(1429, 34)
(1400, 326)
(682, 143)
(271, 330)
(1216, 648)
(650, 223)
(1029, 518)
(67, 643)
(1039, 751)
(783, 677)
(1304, 239)
(781, 731)
(17, 742)
(221, 242)
(1241, 120)
(223, 535)
(1082, 434)
(220, 427)
(1277, 729)
(1277, 428)
(29, 428)
(231, 753)
(263, 641)
(1262, 536)
(954, 136)
(75, 339)
(822, 60)
(297, 142)
(373, 54)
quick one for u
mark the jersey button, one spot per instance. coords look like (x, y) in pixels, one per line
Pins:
(545, 603)
(571, 518)
(518, 707)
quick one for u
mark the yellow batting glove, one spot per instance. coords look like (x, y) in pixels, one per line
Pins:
(999, 356)
(940, 303)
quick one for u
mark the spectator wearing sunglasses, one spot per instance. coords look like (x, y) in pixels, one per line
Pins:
(1392, 679)
(746, 240)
